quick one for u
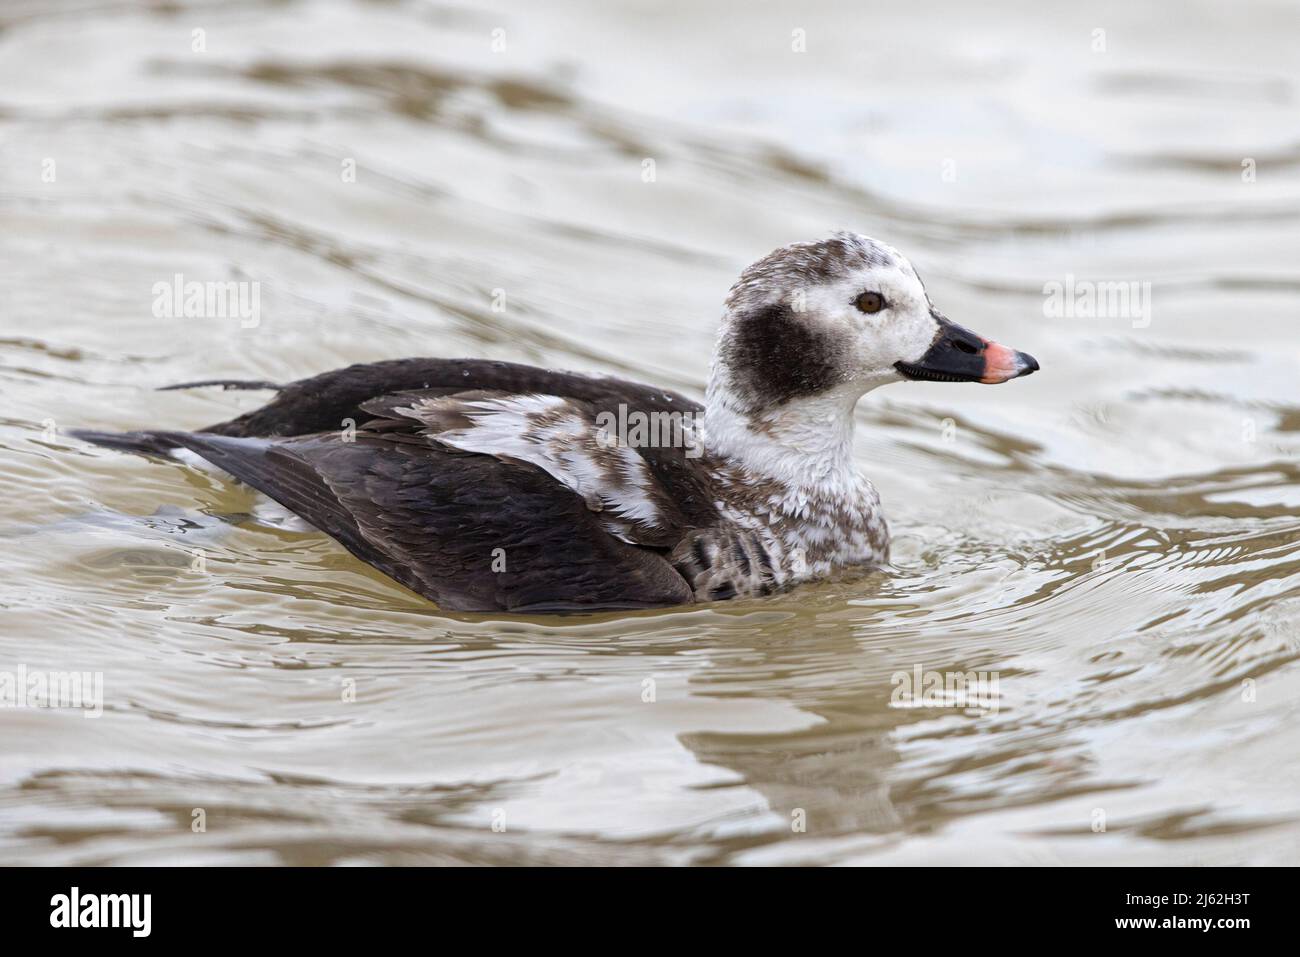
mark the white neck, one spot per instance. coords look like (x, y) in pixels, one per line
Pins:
(805, 443)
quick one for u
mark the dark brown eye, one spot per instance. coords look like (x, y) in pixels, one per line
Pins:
(870, 302)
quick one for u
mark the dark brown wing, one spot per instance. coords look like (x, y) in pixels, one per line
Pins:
(436, 518)
(469, 531)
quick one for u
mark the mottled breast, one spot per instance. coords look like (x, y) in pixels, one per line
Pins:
(770, 537)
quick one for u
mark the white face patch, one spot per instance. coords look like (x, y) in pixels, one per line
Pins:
(900, 332)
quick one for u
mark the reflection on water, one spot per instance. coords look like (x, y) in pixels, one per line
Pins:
(1115, 538)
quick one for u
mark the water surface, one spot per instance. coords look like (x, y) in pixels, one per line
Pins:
(1115, 537)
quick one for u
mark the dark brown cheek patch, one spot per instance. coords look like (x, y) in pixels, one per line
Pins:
(775, 355)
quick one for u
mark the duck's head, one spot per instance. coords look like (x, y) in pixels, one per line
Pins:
(835, 319)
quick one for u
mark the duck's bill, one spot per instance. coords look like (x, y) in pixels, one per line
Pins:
(959, 355)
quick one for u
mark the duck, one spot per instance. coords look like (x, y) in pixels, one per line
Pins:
(493, 486)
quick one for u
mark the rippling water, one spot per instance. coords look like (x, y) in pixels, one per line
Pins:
(1114, 538)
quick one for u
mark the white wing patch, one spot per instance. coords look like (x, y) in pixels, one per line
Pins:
(559, 438)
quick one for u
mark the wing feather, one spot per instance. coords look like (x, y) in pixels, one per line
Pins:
(467, 531)
(562, 438)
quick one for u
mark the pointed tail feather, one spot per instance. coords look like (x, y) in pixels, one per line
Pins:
(148, 443)
(225, 384)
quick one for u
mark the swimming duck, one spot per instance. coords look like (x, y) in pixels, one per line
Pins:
(486, 485)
